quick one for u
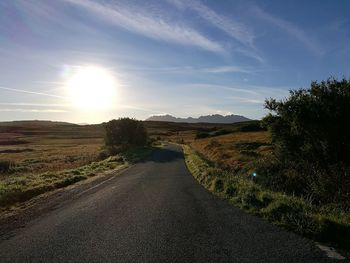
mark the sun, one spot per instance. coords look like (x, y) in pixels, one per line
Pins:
(92, 88)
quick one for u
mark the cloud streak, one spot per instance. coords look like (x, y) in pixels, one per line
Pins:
(190, 69)
(32, 92)
(236, 30)
(144, 24)
(227, 69)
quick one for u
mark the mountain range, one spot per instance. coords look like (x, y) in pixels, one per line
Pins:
(215, 118)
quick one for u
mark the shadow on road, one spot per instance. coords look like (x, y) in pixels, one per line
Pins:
(166, 155)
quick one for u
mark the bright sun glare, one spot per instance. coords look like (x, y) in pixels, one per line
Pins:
(92, 88)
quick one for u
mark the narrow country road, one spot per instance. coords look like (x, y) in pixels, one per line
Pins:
(153, 212)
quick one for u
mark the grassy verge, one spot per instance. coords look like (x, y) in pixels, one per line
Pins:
(16, 188)
(325, 224)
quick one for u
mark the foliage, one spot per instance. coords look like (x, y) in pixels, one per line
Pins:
(201, 135)
(251, 127)
(125, 132)
(15, 189)
(323, 223)
(310, 134)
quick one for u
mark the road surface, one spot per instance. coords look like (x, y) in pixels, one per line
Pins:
(154, 211)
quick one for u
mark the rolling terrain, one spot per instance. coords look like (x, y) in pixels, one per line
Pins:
(153, 212)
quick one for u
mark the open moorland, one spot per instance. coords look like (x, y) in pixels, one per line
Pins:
(39, 156)
(28, 147)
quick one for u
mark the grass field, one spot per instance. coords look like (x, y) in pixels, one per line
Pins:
(33, 147)
(40, 156)
(37, 157)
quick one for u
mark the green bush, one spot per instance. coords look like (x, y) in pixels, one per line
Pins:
(123, 133)
(230, 190)
(310, 134)
(201, 135)
(251, 127)
(218, 185)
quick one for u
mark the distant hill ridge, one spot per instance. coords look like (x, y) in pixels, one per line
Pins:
(215, 118)
(35, 123)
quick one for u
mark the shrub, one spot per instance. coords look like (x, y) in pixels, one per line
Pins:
(251, 127)
(125, 132)
(218, 185)
(230, 190)
(313, 124)
(310, 134)
(6, 166)
(222, 132)
(201, 135)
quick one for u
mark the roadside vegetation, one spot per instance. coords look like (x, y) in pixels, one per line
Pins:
(16, 188)
(57, 155)
(326, 223)
(295, 174)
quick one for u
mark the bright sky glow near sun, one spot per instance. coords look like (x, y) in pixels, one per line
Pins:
(91, 61)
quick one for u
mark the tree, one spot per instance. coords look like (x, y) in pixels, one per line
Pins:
(310, 133)
(125, 132)
(313, 124)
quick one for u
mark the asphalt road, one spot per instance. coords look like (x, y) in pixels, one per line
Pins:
(153, 212)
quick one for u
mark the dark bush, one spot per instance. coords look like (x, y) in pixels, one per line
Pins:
(218, 185)
(222, 132)
(310, 134)
(6, 166)
(252, 127)
(230, 190)
(125, 132)
(201, 135)
(313, 124)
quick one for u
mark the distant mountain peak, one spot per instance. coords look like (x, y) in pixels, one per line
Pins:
(214, 118)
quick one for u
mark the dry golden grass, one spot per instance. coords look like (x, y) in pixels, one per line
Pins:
(234, 150)
(52, 154)
(45, 148)
(38, 157)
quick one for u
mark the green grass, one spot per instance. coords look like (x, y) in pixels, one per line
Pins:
(325, 224)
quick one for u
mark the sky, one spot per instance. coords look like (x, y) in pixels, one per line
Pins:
(179, 57)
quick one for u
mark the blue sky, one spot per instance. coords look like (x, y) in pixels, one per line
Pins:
(185, 58)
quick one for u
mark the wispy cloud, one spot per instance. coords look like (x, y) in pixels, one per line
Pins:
(220, 87)
(142, 23)
(190, 69)
(32, 92)
(247, 100)
(237, 30)
(291, 29)
(226, 69)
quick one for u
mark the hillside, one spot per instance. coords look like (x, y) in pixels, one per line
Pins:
(215, 118)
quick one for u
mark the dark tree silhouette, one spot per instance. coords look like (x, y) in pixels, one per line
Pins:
(313, 124)
(310, 132)
(125, 132)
